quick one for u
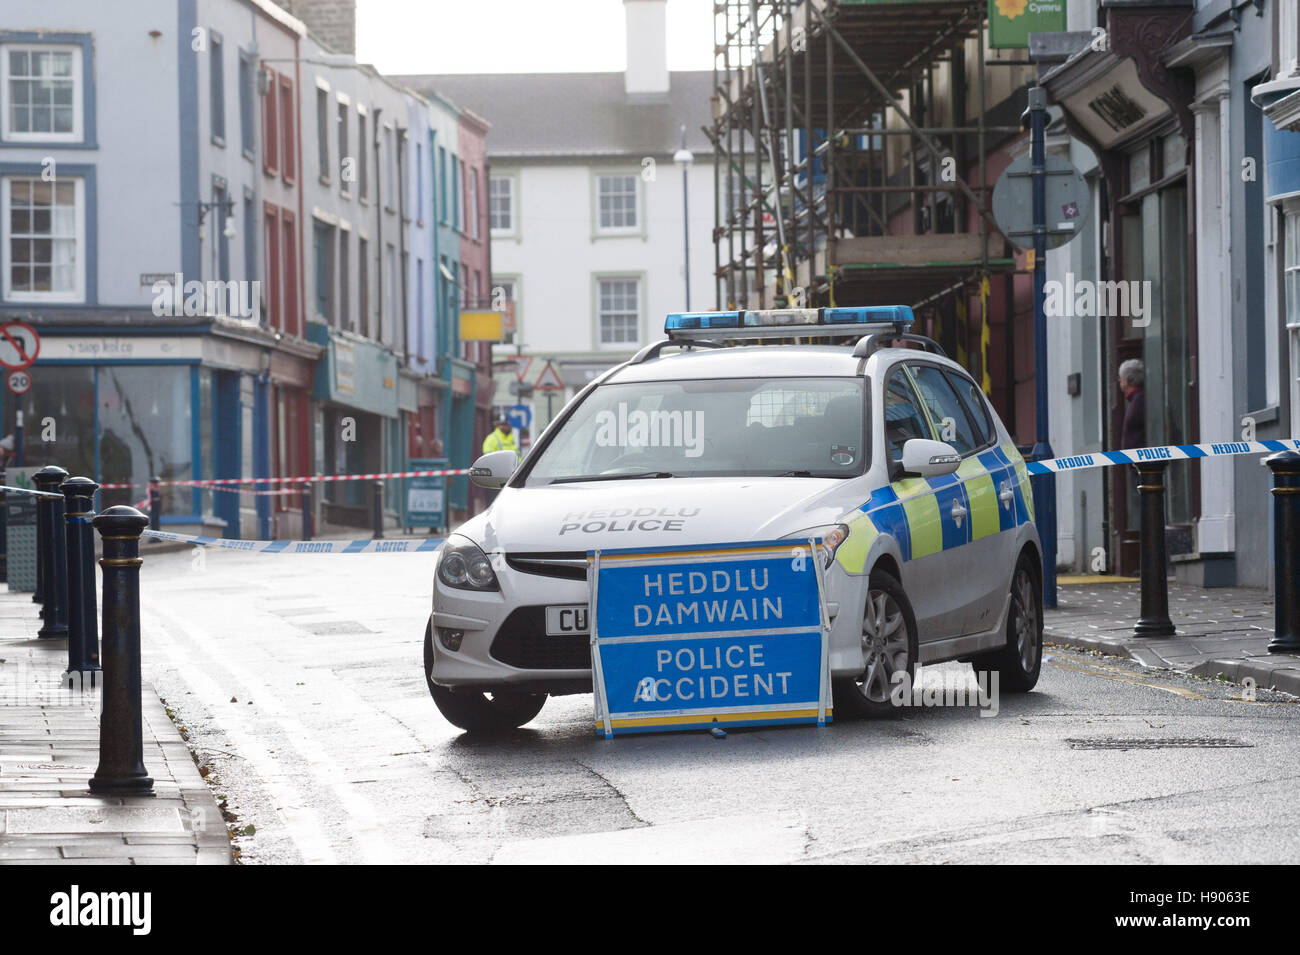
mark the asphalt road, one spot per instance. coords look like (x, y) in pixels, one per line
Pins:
(299, 682)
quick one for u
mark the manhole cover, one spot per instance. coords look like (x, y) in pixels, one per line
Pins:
(1159, 742)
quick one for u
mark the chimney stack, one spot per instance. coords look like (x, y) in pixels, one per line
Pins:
(646, 77)
(332, 22)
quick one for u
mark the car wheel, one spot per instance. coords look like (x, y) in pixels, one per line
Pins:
(888, 646)
(475, 711)
(1019, 662)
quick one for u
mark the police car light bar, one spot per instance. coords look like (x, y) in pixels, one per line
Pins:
(789, 322)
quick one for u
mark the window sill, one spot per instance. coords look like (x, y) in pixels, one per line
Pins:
(6, 140)
(44, 298)
(219, 140)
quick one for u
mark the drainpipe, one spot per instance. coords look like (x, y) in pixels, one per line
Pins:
(379, 223)
(401, 241)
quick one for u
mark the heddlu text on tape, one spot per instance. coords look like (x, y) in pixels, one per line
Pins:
(1172, 452)
(724, 636)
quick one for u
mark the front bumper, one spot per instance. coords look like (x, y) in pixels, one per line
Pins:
(505, 642)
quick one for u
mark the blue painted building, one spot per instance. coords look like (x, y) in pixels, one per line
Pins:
(234, 243)
(136, 181)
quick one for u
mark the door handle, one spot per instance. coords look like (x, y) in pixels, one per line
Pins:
(1005, 495)
(958, 512)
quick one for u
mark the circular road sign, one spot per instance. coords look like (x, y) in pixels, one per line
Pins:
(19, 345)
(19, 382)
(1067, 202)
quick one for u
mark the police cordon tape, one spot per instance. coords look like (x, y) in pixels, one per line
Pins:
(206, 483)
(1075, 462)
(304, 547)
(1171, 452)
(27, 490)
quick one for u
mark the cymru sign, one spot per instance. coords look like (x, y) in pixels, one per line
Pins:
(1011, 21)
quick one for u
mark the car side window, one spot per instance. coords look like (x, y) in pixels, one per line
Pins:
(973, 400)
(904, 418)
(946, 410)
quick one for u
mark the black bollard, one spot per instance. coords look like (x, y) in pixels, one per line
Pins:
(1154, 621)
(155, 505)
(377, 505)
(83, 628)
(52, 553)
(1285, 466)
(38, 595)
(121, 740)
(306, 510)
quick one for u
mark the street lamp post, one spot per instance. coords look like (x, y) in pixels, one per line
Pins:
(683, 157)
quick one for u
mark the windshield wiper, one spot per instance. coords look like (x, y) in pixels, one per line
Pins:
(613, 477)
(795, 474)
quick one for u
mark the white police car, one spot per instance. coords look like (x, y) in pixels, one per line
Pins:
(883, 448)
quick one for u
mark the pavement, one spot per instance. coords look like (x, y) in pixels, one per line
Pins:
(1221, 632)
(49, 749)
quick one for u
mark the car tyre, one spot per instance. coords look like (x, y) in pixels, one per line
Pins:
(475, 711)
(1019, 662)
(889, 645)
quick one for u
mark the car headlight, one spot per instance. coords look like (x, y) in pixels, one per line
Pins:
(832, 536)
(464, 566)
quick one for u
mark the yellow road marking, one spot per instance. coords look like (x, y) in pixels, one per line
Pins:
(1071, 580)
(1124, 678)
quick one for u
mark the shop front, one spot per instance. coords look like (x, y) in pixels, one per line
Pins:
(358, 421)
(1133, 111)
(125, 407)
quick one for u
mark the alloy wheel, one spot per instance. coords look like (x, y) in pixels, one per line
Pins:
(1026, 619)
(884, 646)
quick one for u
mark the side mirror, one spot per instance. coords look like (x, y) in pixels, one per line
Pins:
(493, 470)
(925, 458)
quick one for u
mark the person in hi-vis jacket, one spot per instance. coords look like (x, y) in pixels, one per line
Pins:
(501, 438)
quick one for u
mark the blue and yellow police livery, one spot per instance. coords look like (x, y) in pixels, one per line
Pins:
(833, 423)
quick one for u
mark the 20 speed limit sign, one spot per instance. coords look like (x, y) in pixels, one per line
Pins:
(19, 345)
(19, 382)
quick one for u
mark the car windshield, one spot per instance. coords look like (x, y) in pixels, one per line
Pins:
(725, 427)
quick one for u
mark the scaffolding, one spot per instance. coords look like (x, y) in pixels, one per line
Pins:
(844, 133)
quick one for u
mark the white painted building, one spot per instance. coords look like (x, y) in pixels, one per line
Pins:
(586, 204)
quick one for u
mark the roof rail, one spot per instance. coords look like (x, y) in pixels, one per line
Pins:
(653, 350)
(873, 343)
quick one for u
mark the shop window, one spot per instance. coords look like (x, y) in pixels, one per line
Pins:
(67, 394)
(145, 429)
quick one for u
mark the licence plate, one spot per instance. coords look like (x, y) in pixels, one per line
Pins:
(562, 620)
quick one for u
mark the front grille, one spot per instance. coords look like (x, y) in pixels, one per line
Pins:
(522, 642)
(566, 565)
